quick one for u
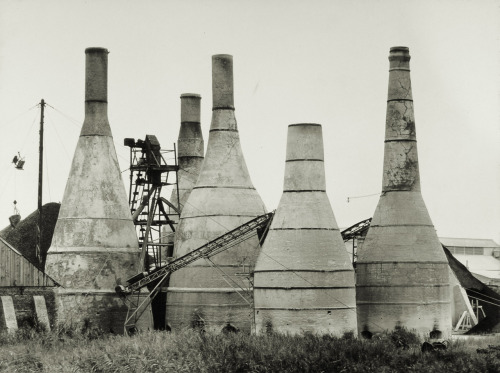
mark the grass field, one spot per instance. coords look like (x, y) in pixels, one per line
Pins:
(88, 350)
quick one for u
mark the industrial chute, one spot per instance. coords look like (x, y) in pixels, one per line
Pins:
(154, 279)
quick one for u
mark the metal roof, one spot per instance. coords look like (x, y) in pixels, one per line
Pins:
(483, 265)
(468, 242)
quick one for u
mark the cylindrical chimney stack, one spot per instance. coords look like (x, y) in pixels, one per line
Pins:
(222, 81)
(96, 93)
(190, 150)
(94, 246)
(96, 71)
(303, 279)
(222, 199)
(402, 271)
(190, 146)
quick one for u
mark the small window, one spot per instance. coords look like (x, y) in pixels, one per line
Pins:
(469, 251)
(478, 251)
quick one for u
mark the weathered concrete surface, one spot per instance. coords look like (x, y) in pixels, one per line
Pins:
(190, 154)
(190, 147)
(222, 81)
(9, 313)
(402, 272)
(102, 309)
(222, 199)
(41, 311)
(303, 279)
(94, 246)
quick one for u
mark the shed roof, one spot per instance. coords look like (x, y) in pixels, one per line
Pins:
(468, 242)
(17, 270)
(483, 265)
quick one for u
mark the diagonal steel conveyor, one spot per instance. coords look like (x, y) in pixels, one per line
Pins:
(159, 275)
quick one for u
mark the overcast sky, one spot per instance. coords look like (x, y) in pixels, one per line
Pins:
(294, 61)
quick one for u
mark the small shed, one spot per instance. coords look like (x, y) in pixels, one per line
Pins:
(26, 293)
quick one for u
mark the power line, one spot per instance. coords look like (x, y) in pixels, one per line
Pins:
(73, 120)
(367, 195)
(28, 132)
(18, 116)
(47, 172)
(58, 137)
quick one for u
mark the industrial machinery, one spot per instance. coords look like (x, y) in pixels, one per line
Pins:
(154, 279)
(149, 173)
(353, 233)
(356, 230)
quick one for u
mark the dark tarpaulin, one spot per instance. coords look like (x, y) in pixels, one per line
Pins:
(24, 236)
(488, 298)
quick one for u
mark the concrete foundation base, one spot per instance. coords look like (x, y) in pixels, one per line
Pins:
(414, 295)
(334, 321)
(208, 310)
(105, 310)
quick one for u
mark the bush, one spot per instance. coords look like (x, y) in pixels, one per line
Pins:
(404, 338)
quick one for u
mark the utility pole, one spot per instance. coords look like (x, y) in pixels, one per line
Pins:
(40, 184)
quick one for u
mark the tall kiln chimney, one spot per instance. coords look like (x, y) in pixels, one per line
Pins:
(222, 199)
(190, 146)
(402, 272)
(190, 150)
(94, 246)
(304, 280)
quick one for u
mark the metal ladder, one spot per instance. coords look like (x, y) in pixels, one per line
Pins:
(136, 307)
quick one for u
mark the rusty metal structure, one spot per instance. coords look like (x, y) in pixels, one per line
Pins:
(304, 280)
(402, 272)
(151, 212)
(152, 171)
